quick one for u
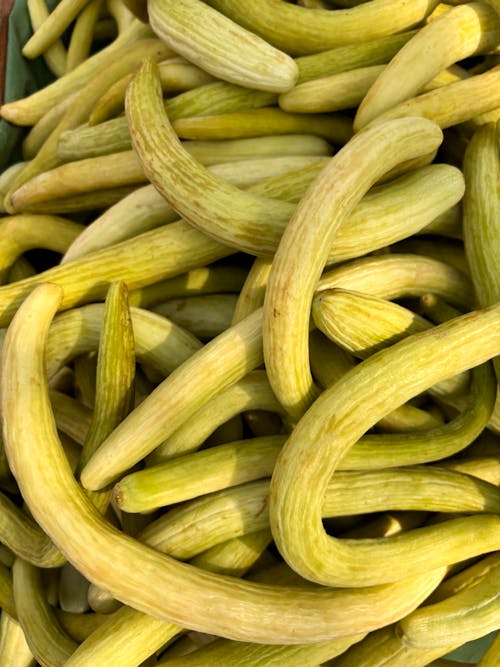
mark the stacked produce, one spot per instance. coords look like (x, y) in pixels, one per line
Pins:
(250, 396)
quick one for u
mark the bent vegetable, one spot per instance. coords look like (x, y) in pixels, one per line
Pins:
(272, 614)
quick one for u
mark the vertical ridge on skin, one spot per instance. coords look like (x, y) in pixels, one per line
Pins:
(334, 423)
(304, 247)
(459, 33)
(181, 593)
(300, 31)
(237, 218)
(222, 47)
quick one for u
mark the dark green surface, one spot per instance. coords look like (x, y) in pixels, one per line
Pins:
(22, 78)
(472, 652)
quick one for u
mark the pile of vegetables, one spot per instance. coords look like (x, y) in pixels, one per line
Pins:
(250, 395)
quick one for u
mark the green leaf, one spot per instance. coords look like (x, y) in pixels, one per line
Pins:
(22, 77)
(472, 652)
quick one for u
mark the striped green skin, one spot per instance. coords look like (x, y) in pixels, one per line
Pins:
(240, 610)
(344, 58)
(23, 536)
(222, 47)
(205, 522)
(197, 473)
(115, 377)
(225, 652)
(465, 30)
(400, 275)
(49, 642)
(337, 419)
(384, 648)
(159, 343)
(252, 392)
(481, 215)
(168, 251)
(452, 104)
(177, 76)
(342, 315)
(129, 636)
(332, 93)
(299, 31)
(467, 615)
(110, 135)
(126, 59)
(304, 247)
(219, 364)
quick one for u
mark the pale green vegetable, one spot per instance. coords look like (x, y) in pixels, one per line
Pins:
(272, 613)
